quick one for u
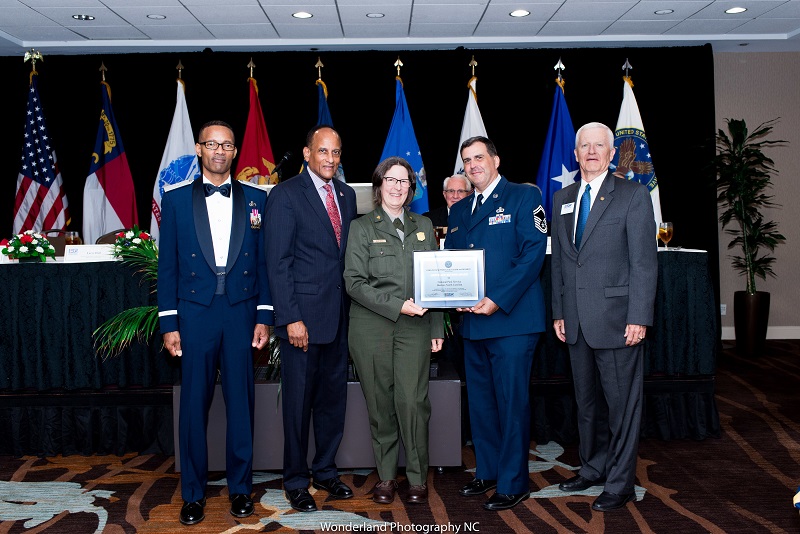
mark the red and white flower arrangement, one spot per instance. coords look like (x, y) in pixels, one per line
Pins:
(28, 244)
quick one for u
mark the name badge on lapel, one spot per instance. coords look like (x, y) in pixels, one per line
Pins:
(567, 208)
(255, 219)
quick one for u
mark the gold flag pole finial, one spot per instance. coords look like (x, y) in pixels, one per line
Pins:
(559, 78)
(103, 70)
(398, 64)
(473, 64)
(180, 68)
(319, 66)
(627, 67)
(33, 55)
(251, 66)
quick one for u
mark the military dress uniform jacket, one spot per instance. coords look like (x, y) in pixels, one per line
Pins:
(511, 228)
(186, 266)
(379, 269)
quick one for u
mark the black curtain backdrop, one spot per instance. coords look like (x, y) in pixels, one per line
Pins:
(674, 88)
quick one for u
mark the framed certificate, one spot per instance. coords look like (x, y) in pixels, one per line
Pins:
(449, 278)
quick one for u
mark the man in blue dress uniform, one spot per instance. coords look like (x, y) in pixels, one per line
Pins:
(500, 332)
(214, 306)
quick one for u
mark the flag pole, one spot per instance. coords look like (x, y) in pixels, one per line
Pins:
(559, 78)
(627, 67)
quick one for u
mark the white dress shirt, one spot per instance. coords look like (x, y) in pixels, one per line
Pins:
(220, 218)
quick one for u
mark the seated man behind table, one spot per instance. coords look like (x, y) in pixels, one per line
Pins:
(454, 189)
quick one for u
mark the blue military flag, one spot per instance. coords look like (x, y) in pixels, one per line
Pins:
(402, 142)
(558, 167)
(324, 117)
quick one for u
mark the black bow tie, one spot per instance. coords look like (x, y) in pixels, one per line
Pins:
(224, 189)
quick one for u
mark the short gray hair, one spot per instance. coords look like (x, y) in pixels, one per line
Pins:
(460, 177)
(592, 125)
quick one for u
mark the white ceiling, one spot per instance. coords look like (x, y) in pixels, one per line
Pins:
(123, 25)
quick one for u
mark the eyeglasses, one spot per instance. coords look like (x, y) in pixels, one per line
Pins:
(455, 191)
(404, 182)
(213, 145)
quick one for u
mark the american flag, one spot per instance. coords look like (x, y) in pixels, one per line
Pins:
(41, 203)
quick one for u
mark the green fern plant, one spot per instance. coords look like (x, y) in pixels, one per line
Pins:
(117, 333)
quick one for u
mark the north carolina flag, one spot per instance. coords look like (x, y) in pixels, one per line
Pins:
(473, 122)
(40, 203)
(255, 158)
(179, 161)
(109, 199)
(402, 142)
(632, 160)
(324, 117)
(558, 167)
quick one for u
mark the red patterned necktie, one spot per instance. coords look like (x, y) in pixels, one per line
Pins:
(333, 213)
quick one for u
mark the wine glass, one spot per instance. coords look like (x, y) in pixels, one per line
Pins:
(665, 233)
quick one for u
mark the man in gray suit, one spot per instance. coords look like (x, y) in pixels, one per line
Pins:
(604, 269)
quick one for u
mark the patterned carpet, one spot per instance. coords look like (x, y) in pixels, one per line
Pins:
(742, 482)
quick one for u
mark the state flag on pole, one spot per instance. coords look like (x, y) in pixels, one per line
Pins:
(256, 161)
(632, 160)
(109, 199)
(324, 117)
(40, 203)
(179, 161)
(473, 122)
(558, 167)
(402, 142)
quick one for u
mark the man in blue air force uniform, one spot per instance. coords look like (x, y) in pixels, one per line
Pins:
(213, 306)
(501, 331)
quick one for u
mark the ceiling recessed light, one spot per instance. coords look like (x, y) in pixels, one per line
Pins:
(82, 17)
(302, 15)
(664, 11)
(156, 17)
(375, 15)
(520, 13)
(735, 10)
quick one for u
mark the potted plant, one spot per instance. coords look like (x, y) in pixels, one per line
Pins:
(743, 183)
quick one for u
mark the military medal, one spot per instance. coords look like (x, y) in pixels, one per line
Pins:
(255, 219)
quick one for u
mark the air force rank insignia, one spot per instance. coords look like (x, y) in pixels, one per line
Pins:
(539, 219)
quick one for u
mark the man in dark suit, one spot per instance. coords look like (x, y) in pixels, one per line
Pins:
(213, 299)
(500, 332)
(604, 271)
(454, 189)
(309, 218)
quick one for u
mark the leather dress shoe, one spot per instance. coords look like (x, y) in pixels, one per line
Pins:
(501, 501)
(192, 512)
(384, 491)
(241, 505)
(417, 494)
(478, 486)
(334, 486)
(578, 483)
(611, 501)
(301, 500)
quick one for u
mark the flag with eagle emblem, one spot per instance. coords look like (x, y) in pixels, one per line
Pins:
(632, 160)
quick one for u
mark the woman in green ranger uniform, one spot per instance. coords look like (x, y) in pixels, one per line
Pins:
(391, 337)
